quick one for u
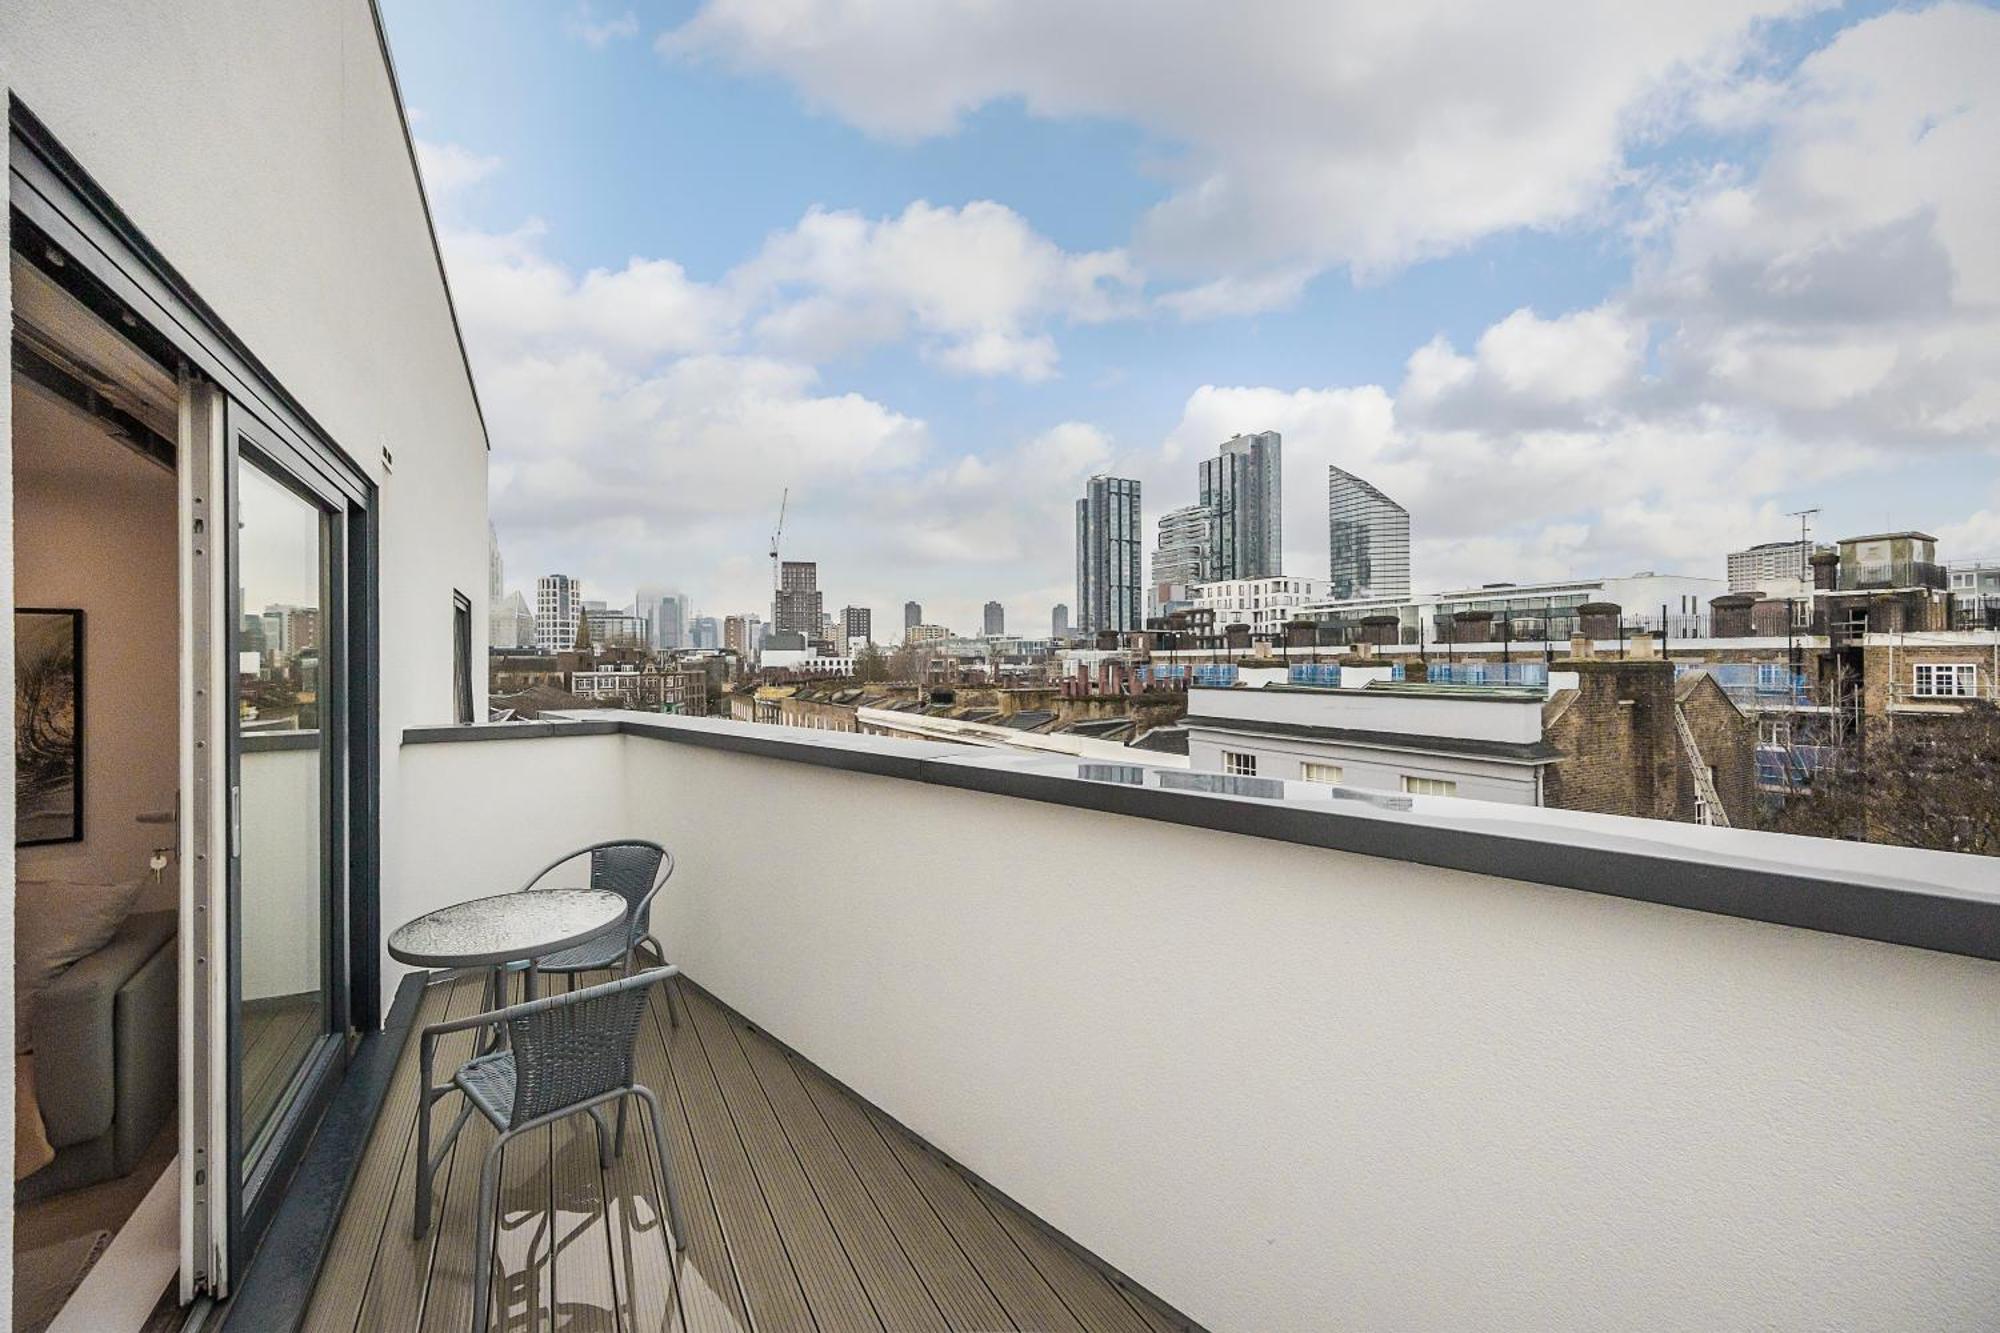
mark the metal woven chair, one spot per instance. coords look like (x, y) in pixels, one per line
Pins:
(636, 870)
(566, 1054)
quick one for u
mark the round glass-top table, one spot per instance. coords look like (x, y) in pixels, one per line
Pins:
(506, 928)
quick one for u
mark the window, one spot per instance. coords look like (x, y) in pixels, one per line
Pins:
(1329, 773)
(1417, 786)
(1774, 731)
(461, 656)
(1946, 680)
(1237, 764)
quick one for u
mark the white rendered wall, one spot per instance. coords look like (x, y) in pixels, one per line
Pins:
(96, 530)
(1291, 1088)
(1490, 719)
(480, 818)
(1374, 770)
(258, 147)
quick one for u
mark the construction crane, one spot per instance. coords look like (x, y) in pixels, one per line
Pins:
(777, 537)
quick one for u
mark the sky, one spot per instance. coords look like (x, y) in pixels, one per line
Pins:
(1590, 288)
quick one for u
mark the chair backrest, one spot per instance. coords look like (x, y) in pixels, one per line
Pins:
(570, 1048)
(630, 869)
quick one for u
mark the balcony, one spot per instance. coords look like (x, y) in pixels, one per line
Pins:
(805, 1207)
(1280, 1057)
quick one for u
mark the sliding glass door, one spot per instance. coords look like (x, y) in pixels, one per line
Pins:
(287, 658)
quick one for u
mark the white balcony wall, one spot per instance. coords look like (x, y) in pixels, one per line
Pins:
(1290, 1088)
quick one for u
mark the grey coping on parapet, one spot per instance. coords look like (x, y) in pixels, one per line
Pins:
(1515, 752)
(1926, 900)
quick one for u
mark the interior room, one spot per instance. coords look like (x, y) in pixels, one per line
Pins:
(97, 710)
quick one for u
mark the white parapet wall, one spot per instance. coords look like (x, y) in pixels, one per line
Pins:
(1290, 1087)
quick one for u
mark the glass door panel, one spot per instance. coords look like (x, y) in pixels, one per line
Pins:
(283, 1012)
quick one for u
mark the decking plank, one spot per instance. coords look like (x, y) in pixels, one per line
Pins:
(832, 1291)
(585, 1296)
(706, 1287)
(1019, 1287)
(893, 1285)
(1086, 1289)
(400, 1279)
(961, 1294)
(351, 1261)
(524, 1239)
(771, 1290)
(807, 1208)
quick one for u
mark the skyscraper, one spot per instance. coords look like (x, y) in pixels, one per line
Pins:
(913, 615)
(558, 603)
(1059, 622)
(1368, 539)
(797, 606)
(857, 622)
(706, 632)
(1108, 556)
(1181, 559)
(741, 634)
(1242, 488)
(996, 619)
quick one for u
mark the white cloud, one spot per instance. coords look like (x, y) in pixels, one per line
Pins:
(449, 169)
(598, 33)
(1310, 132)
(974, 284)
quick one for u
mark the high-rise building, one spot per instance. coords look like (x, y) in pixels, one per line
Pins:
(857, 622)
(1368, 541)
(510, 624)
(706, 632)
(666, 614)
(558, 603)
(743, 634)
(1059, 622)
(1108, 556)
(616, 629)
(913, 615)
(1242, 489)
(496, 574)
(996, 619)
(1767, 566)
(797, 605)
(1181, 560)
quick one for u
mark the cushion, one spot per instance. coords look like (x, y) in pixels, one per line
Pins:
(32, 1150)
(57, 922)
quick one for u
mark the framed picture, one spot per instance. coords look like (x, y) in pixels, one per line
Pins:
(48, 726)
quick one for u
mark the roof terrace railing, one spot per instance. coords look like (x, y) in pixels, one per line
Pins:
(1516, 675)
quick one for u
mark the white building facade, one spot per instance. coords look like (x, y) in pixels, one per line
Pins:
(1265, 605)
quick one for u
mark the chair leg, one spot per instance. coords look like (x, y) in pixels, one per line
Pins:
(482, 1245)
(618, 1148)
(667, 993)
(422, 1221)
(604, 1135)
(666, 1166)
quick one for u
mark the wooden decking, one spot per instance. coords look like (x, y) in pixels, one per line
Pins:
(807, 1209)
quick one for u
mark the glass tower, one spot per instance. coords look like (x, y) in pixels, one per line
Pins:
(1109, 556)
(1368, 539)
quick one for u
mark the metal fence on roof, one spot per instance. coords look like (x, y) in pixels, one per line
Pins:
(1522, 675)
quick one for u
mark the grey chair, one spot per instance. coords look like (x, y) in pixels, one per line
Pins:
(566, 1054)
(636, 870)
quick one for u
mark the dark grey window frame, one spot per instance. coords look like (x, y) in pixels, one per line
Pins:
(461, 657)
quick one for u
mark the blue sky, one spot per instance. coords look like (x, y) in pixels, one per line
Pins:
(1590, 291)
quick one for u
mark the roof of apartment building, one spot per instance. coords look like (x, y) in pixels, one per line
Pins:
(1164, 740)
(1519, 752)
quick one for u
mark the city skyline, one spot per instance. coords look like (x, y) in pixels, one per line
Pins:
(1685, 321)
